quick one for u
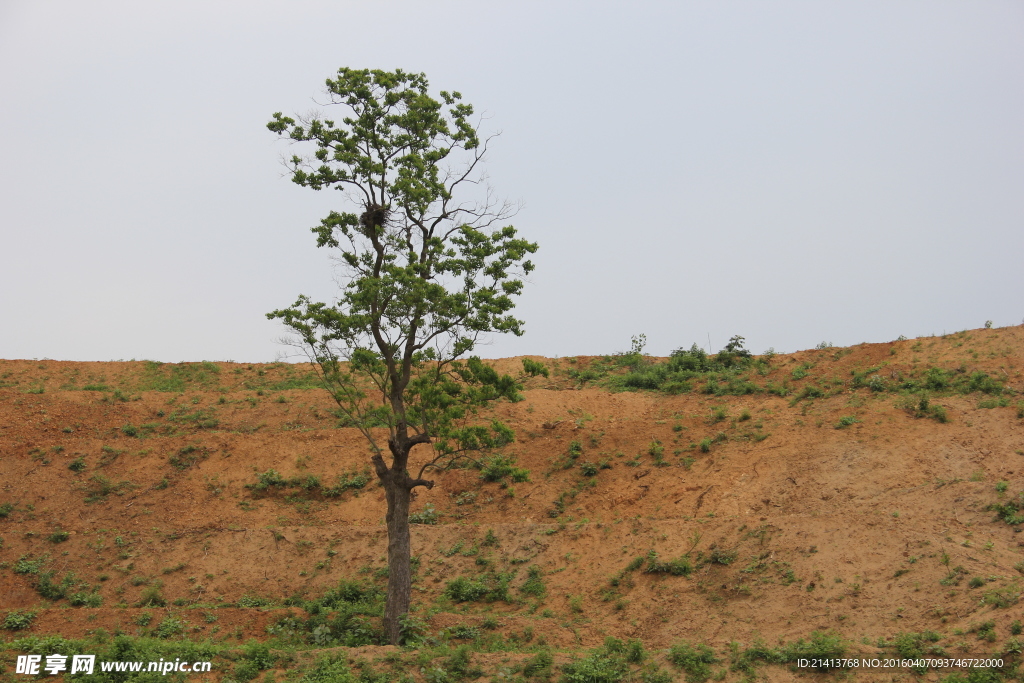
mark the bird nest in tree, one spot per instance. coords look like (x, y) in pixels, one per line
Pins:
(375, 216)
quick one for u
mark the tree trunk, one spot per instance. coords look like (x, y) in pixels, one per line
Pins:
(399, 555)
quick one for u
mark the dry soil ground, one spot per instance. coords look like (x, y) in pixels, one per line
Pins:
(793, 521)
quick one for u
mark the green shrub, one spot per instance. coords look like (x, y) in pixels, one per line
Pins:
(170, 626)
(846, 421)
(696, 660)
(6, 509)
(919, 405)
(490, 587)
(201, 418)
(822, 646)
(77, 465)
(498, 467)
(534, 584)
(17, 620)
(188, 456)
(348, 482)
(24, 565)
(58, 536)
(599, 667)
(464, 632)
(538, 666)
(681, 566)
(85, 599)
(331, 668)
(151, 597)
(533, 368)
(464, 589)
(428, 515)
(251, 600)
(1002, 597)
(130, 430)
(635, 563)
(265, 480)
(1011, 512)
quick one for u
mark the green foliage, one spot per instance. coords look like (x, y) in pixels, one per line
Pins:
(200, 418)
(635, 563)
(169, 627)
(918, 645)
(58, 536)
(329, 668)
(188, 456)
(340, 617)
(695, 660)
(251, 600)
(606, 664)
(539, 666)
(311, 484)
(77, 465)
(919, 405)
(6, 509)
(534, 584)
(534, 368)
(151, 597)
(490, 587)
(463, 632)
(177, 377)
(821, 645)
(498, 467)
(45, 583)
(99, 486)
(680, 566)
(428, 515)
(255, 657)
(420, 282)
(1012, 511)
(125, 649)
(17, 620)
(846, 421)
(1002, 597)
(721, 374)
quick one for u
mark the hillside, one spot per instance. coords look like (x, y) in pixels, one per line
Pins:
(842, 492)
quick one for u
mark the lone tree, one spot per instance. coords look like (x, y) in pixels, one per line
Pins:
(424, 272)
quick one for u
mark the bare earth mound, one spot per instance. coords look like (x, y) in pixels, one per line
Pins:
(827, 499)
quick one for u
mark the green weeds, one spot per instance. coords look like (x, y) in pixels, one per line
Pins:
(311, 484)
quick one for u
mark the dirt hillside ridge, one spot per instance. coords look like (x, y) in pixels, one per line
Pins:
(847, 507)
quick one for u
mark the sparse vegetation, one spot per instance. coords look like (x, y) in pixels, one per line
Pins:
(498, 586)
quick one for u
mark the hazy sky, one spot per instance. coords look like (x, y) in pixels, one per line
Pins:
(794, 172)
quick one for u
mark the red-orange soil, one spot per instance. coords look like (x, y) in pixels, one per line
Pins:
(841, 529)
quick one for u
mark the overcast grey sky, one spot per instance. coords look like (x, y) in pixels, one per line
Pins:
(794, 172)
